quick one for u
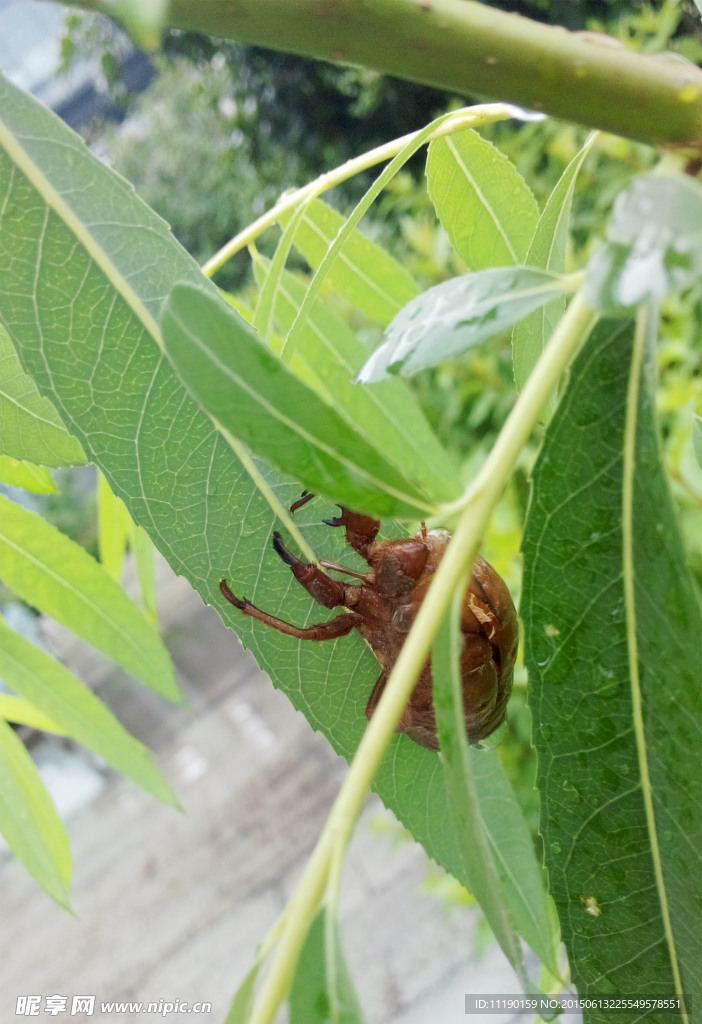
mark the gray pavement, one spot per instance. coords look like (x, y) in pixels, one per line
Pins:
(170, 906)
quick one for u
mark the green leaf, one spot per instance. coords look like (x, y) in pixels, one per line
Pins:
(28, 820)
(457, 314)
(547, 250)
(113, 529)
(322, 991)
(344, 1006)
(327, 356)
(55, 575)
(697, 438)
(483, 202)
(498, 858)
(210, 512)
(365, 274)
(49, 686)
(254, 397)
(143, 551)
(243, 1001)
(21, 712)
(30, 428)
(653, 246)
(347, 230)
(613, 646)
(26, 476)
(268, 296)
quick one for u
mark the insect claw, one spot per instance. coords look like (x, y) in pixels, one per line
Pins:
(236, 601)
(336, 521)
(282, 551)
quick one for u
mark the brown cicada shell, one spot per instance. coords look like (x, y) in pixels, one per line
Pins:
(383, 606)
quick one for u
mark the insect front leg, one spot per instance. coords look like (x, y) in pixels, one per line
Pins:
(331, 593)
(361, 530)
(339, 626)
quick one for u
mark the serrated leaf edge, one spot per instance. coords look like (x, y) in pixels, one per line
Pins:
(58, 204)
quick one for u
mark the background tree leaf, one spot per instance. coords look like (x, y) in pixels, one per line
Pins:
(49, 686)
(113, 529)
(365, 274)
(253, 396)
(547, 250)
(142, 548)
(30, 428)
(21, 712)
(455, 315)
(614, 685)
(159, 452)
(26, 476)
(483, 202)
(697, 439)
(57, 576)
(28, 820)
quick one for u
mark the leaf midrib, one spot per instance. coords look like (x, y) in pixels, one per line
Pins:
(628, 572)
(293, 426)
(55, 201)
(112, 624)
(486, 205)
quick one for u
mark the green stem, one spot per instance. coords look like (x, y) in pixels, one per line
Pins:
(476, 506)
(468, 48)
(456, 121)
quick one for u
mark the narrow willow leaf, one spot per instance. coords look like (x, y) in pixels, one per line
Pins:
(455, 315)
(26, 476)
(143, 551)
(479, 864)
(210, 513)
(523, 881)
(697, 438)
(253, 396)
(327, 356)
(28, 821)
(30, 428)
(21, 712)
(366, 274)
(243, 1001)
(49, 686)
(344, 1005)
(483, 202)
(268, 296)
(348, 228)
(55, 575)
(322, 991)
(113, 529)
(547, 250)
(613, 646)
(653, 246)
